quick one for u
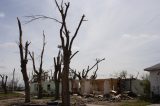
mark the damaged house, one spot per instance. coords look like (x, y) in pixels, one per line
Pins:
(154, 79)
(48, 87)
(89, 86)
(104, 86)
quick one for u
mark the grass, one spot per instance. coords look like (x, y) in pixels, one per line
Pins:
(10, 95)
(135, 103)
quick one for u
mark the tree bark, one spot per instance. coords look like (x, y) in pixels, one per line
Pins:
(40, 70)
(40, 89)
(26, 81)
(57, 89)
(4, 82)
(65, 80)
(66, 44)
(57, 73)
(23, 61)
(57, 82)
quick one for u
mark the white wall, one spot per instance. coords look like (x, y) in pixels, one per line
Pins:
(85, 87)
(137, 87)
(155, 82)
(106, 87)
(34, 89)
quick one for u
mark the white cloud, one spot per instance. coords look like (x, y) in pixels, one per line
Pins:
(126, 36)
(2, 15)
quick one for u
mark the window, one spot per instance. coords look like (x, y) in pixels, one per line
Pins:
(48, 87)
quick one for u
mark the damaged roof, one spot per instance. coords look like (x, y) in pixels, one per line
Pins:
(153, 68)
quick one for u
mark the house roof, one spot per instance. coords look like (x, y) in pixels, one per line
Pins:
(153, 68)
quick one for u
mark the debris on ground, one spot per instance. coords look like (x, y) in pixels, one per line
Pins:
(113, 96)
(78, 100)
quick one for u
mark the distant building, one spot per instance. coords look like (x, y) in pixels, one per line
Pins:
(48, 87)
(104, 86)
(87, 86)
(154, 79)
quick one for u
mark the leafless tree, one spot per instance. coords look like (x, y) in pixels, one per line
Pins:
(23, 60)
(66, 44)
(58, 69)
(84, 74)
(4, 82)
(123, 74)
(57, 73)
(39, 71)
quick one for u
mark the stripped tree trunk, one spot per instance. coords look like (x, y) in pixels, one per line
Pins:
(40, 89)
(66, 44)
(24, 60)
(39, 71)
(65, 80)
(57, 74)
(4, 82)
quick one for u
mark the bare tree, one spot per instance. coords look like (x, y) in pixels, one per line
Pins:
(57, 73)
(39, 71)
(84, 74)
(123, 74)
(23, 60)
(4, 82)
(58, 69)
(94, 75)
(66, 44)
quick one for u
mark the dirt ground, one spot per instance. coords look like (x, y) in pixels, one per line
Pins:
(77, 101)
(19, 101)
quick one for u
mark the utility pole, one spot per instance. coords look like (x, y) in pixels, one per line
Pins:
(13, 80)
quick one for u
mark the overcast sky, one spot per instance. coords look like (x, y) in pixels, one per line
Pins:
(125, 32)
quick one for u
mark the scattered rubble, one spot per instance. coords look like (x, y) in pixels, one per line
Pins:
(79, 100)
(113, 96)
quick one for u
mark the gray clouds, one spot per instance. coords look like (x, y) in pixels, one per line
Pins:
(125, 32)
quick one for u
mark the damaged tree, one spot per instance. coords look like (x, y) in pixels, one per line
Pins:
(23, 59)
(39, 71)
(84, 74)
(4, 82)
(57, 74)
(66, 44)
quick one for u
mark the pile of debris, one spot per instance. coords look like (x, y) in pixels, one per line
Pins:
(117, 97)
(113, 96)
